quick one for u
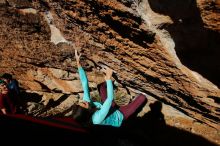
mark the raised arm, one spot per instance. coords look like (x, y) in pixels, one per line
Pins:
(83, 78)
(101, 114)
(77, 56)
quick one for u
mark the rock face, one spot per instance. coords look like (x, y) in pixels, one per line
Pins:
(152, 45)
(195, 31)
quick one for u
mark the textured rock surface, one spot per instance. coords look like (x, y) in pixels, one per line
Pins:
(145, 42)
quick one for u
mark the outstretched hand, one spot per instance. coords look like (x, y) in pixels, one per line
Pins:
(77, 56)
(108, 73)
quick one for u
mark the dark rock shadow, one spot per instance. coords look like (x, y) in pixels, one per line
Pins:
(197, 47)
(30, 97)
(36, 100)
(53, 103)
(26, 97)
(150, 129)
(27, 129)
(44, 87)
(62, 114)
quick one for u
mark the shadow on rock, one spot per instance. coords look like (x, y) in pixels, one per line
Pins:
(197, 47)
(150, 129)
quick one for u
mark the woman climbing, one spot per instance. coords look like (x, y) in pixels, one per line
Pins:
(105, 112)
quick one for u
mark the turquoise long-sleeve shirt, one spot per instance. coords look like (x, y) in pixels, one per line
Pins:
(99, 117)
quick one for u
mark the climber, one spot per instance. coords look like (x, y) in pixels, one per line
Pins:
(13, 87)
(105, 113)
(7, 106)
(11, 83)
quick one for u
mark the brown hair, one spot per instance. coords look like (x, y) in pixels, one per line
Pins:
(83, 115)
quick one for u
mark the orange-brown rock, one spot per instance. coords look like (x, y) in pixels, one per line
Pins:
(166, 49)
